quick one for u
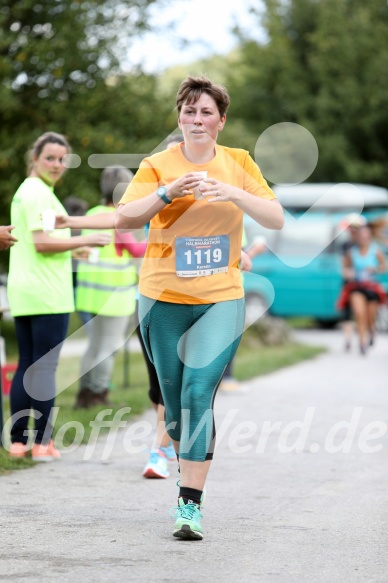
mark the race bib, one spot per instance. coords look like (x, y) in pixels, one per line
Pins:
(196, 256)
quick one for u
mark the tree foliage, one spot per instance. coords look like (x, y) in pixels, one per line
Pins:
(60, 71)
(324, 66)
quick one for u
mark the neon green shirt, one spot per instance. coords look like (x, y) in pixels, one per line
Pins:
(38, 283)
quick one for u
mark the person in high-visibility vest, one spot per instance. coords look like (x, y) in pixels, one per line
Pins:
(106, 288)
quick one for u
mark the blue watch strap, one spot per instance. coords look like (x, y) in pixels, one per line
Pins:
(161, 192)
(166, 199)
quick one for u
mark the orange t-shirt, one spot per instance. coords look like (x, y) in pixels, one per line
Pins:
(194, 247)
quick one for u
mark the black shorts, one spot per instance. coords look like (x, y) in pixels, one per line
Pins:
(369, 294)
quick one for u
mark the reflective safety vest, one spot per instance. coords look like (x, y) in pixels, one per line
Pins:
(106, 286)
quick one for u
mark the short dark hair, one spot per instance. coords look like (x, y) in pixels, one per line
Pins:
(191, 89)
(75, 206)
(114, 181)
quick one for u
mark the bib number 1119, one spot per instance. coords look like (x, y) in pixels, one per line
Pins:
(203, 256)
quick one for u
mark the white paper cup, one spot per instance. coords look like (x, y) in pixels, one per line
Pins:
(196, 191)
(48, 219)
(94, 255)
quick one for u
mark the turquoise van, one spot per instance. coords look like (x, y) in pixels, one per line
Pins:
(300, 272)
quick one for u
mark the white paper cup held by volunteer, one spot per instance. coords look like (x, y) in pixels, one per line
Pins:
(48, 219)
(94, 255)
(197, 193)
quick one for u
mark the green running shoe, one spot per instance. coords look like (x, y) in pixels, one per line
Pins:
(188, 521)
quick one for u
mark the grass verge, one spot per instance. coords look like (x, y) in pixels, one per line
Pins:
(76, 425)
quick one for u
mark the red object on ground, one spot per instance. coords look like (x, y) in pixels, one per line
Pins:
(7, 372)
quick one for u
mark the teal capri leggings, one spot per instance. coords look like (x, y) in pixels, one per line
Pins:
(190, 346)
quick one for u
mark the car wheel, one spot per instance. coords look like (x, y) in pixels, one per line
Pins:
(327, 324)
(256, 306)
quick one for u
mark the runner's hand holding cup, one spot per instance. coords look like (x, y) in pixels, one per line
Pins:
(197, 193)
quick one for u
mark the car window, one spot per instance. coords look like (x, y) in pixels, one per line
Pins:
(304, 237)
(343, 236)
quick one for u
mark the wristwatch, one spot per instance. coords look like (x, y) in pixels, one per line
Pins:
(162, 190)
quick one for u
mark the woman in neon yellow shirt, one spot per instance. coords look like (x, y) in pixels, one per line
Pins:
(40, 292)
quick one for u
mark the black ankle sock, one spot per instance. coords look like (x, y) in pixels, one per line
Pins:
(190, 495)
